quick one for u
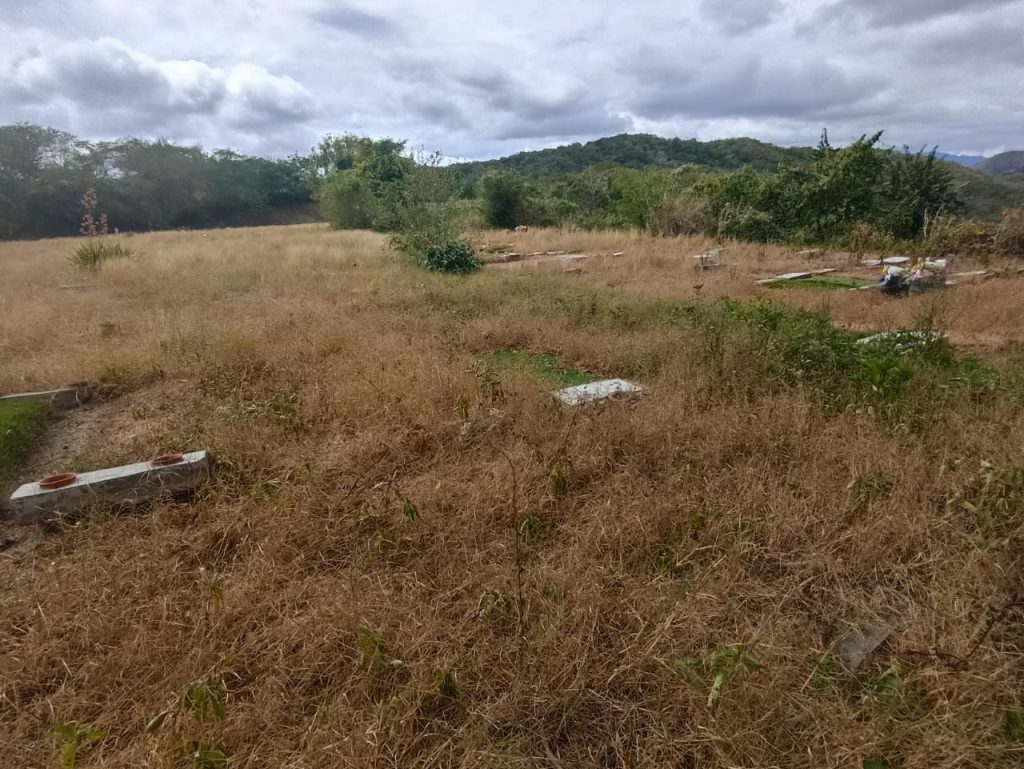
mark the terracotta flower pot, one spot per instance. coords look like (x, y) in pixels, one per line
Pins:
(57, 481)
(166, 459)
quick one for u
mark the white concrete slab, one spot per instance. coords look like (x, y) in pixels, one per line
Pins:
(891, 260)
(906, 339)
(61, 398)
(126, 486)
(595, 391)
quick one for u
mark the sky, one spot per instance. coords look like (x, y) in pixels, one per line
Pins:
(484, 79)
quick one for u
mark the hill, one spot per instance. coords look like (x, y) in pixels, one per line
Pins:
(971, 161)
(985, 193)
(641, 151)
(1003, 163)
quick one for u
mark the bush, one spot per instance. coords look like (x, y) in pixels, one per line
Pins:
(504, 199)
(347, 203)
(682, 215)
(427, 212)
(1010, 235)
(455, 257)
(954, 235)
(95, 251)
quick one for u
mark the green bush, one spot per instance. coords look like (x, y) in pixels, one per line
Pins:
(95, 251)
(347, 203)
(504, 197)
(455, 257)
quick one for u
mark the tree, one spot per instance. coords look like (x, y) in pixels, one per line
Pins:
(504, 198)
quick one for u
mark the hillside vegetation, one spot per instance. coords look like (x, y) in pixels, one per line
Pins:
(641, 151)
(1003, 163)
(410, 555)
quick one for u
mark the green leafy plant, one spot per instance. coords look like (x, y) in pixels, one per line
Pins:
(530, 527)
(91, 254)
(72, 736)
(713, 672)
(204, 699)
(454, 257)
(373, 650)
(409, 510)
(205, 755)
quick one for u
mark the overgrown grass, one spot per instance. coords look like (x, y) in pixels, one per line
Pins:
(545, 365)
(403, 560)
(21, 428)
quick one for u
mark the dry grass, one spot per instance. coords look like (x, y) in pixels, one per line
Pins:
(334, 384)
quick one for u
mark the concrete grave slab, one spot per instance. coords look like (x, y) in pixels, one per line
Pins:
(595, 391)
(61, 398)
(889, 260)
(127, 486)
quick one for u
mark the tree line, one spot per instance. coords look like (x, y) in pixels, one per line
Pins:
(141, 185)
(740, 188)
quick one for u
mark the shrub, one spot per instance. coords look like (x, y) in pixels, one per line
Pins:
(455, 256)
(94, 252)
(954, 235)
(682, 215)
(504, 198)
(427, 211)
(1010, 235)
(347, 203)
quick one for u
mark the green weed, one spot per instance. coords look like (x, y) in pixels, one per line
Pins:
(72, 736)
(545, 365)
(713, 672)
(21, 428)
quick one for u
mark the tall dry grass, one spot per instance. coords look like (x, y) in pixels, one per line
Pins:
(335, 384)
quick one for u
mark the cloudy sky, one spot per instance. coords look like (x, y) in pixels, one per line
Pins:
(487, 78)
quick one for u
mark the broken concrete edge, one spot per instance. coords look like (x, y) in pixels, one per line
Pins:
(124, 486)
(595, 391)
(61, 398)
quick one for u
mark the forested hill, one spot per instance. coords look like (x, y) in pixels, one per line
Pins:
(640, 151)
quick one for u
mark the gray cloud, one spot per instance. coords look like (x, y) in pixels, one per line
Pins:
(489, 78)
(900, 13)
(737, 17)
(355, 21)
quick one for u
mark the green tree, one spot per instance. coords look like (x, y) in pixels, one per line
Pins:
(504, 196)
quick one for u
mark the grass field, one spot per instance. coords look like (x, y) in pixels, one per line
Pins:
(412, 556)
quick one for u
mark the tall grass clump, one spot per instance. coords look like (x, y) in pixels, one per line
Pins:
(96, 249)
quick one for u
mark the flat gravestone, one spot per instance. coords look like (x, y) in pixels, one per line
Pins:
(595, 391)
(127, 486)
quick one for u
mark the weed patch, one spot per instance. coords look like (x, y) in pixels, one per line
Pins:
(544, 365)
(21, 428)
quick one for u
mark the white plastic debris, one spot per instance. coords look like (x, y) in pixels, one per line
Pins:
(595, 391)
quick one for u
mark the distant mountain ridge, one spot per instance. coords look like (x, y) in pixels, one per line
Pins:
(986, 192)
(641, 151)
(1003, 163)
